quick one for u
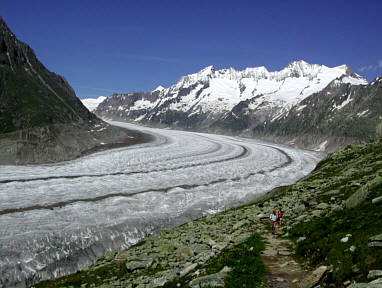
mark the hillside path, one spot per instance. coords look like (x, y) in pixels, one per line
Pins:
(284, 271)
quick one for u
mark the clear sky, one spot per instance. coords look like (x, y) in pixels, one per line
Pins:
(109, 46)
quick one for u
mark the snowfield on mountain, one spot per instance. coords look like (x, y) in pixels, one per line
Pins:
(219, 91)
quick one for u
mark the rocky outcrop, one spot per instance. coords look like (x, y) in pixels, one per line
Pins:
(61, 142)
(338, 115)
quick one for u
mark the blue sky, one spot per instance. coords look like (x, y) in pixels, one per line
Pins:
(104, 47)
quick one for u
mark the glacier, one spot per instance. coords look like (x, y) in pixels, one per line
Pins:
(58, 218)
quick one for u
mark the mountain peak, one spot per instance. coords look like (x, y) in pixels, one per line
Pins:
(207, 70)
(159, 88)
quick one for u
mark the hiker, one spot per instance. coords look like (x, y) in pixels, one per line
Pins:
(280, 217)
(273, 220)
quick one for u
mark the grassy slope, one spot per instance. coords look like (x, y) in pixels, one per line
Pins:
(356, 164)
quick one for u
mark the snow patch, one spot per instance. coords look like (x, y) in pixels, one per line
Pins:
(322, 146)
(159, 88)
(360, 114)
(343, 104)
(92, 103)
(301, 107)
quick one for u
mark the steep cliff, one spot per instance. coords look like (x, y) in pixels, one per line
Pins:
(41, 119)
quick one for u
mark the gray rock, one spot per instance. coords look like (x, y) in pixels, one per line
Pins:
(376, 200)
(375, 244)
(377, 238)
(317, 213)
(336, 207)
(284, 253)
(373, 284)
(377, 281)
(355, 185)
(323, 206)
(213, 280)
(332, 192)
(138, 264)
(300, 208)
(313, 278)
(345, 240)
(357, 197)
(188, 269)
(374, 274)
(301, 239)
(301, 217)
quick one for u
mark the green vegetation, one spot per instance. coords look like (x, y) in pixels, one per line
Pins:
(244, 259)
(354, 170)
(323, 241)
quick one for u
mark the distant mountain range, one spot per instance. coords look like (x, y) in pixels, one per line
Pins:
(306, 105)
(41, 119)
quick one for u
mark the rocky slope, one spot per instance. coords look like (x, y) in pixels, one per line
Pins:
(332, 216)
(41, 119)
(340, 114)
(282, 105)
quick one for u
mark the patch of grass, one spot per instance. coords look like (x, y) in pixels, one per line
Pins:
(244, 259)
(323, 241)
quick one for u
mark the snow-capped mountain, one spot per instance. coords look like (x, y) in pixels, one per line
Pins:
(227, 100)
(92, 103)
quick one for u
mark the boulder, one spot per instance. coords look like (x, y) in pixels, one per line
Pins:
(377, 200)
(301, 239)
(374, 274)
(376, 238)
(323, 206)
(375, 244)
(314, 278)
(375, 241)
(345, 240)
(301, 217)
(284, 253)
(373, 284)
(138, 264)
(357, 197)
(213, 280)
(317, 213)
(360, 195)
(188, 269)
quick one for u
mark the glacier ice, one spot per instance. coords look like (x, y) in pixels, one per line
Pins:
(58, 218)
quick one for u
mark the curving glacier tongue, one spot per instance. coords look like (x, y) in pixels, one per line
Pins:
(58, 218)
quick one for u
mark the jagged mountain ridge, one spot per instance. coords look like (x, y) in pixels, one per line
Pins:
(235, 102)
(213, 92)
(41, 119)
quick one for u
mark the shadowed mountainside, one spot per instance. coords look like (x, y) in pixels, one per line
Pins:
(41, 119)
